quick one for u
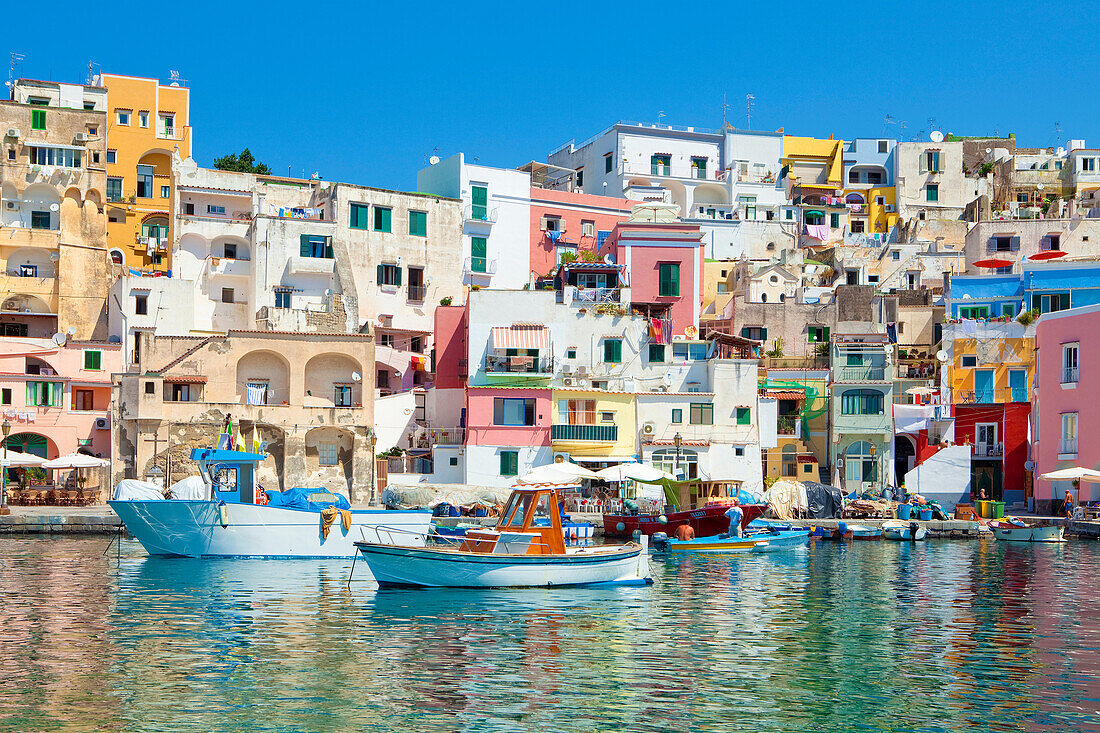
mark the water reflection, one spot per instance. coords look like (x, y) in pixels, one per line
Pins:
(883, 636)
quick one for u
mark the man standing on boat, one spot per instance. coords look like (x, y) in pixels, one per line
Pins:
(735, 514)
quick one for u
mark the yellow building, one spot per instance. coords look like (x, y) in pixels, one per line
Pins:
(813, 177)
(147, 123)
(717, 288)
(594, 424)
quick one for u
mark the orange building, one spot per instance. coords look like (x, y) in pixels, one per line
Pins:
(148, 124)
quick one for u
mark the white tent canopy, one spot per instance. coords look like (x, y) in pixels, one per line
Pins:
(16, 458)
(563, 474)
(636, 471)
(1075, 473)
(76, 460)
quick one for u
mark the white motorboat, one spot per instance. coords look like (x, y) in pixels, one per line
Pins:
(1014, 530)
(225, 520)
(519, 553)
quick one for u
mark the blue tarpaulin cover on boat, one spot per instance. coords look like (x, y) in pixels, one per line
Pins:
(298, 498)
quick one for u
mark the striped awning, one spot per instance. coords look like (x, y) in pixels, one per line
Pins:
(521, 337)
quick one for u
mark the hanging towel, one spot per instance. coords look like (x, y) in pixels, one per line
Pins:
(818, 231)
(256, 394)
(553, 236)
(328, 516)
(666, 330)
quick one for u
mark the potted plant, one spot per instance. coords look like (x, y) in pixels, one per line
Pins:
(445, 301)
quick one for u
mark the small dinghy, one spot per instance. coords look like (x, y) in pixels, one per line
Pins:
(1013, 529)
(898, 530)
(759, 541)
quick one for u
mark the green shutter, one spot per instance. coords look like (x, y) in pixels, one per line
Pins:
(381, 274)
(509, 463)
(745, 332)
(38, 119)
(607, 163)
(93, 360)
(328, 248)
(763, 334)
(477, 254)
(612, 351)
(305, 245)
(677, 416)
(1064, 302)
(744, 416)
(397, 276)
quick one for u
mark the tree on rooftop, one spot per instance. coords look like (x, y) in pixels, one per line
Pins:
(243, 162)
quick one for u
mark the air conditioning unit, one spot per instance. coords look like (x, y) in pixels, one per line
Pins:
(81, 137)
(102, 423)
(568, 381)
(889, 208)
(648, 429)
(12, 204)
(580, 382)
(13, 132)
(561, 458)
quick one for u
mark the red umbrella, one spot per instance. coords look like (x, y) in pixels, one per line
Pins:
(1050, 254)
(993, 263)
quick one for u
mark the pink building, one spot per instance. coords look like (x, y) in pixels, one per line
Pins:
(664, 265)
(567, 221)
(57, 398)
(1065, 430)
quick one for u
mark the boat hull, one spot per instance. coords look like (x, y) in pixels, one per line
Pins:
(177, 528)
(903, 532)
(754, 542)
(1051, 533)
(707, 522)
(419, 567)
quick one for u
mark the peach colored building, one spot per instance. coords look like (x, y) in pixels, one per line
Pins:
(569, 221)
(57, 398)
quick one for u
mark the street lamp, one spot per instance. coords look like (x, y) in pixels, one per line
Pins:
(677, 441)
(372, 441)
(6, 428)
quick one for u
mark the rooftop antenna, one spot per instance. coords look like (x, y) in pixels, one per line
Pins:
(175, 77)
(931, 123)
(93, 76)
(725, 108)
(660, 114)
(901, 130)
(886, 123)
(1058, 134)
(15, 59)
(750, 102)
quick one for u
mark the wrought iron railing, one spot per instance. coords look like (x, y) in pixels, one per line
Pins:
(595, 433)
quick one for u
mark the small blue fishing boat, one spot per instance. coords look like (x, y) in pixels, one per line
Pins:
(769, 540)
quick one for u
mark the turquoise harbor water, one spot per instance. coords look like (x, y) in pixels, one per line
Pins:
(940, 636)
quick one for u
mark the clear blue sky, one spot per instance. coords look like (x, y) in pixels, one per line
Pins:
(365, 92)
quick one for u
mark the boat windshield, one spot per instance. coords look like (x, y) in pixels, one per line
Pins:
(518, 510)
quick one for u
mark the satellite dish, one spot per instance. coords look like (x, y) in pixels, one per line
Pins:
(1029, 465)
(667, 379)
(55, 256)
(71, 331)
(937, 136)
(356, 377)
(433, 160)
(59, 339)
(55, 207)
(941, 356)
(1040, 186)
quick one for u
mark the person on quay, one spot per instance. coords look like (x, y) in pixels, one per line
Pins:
(1068, 504)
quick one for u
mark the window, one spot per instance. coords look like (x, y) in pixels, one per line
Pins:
(313, 245)
(40, 220)
(13, 329)
(853, 177)
(38, 119)
(183, 392)
(689, 352)
(932, 192)
(227, 295)
(698, 167)
(1008, 309)
(114, 189)
(895, 255)
(608, 162)
(588, 228)
(600, 384)
(756, 333)
(571, 352)
(1069, 432)
(513, 411)
(660, 165)
(1088, 164)
(11, 153)
(789, 214)
(974, 312)
(931, 161)
(359, 214)
(834, 221)
(1054, 242)
(880, 200)
(112, 156)
(613, 351)
(229, 251)
(389, 275)
(93, 360)
(5, 396)
(861, 402)
(701, 413)
(607, 416)
(818, 334)
(1002, 244)
(1050, 303)
(382, 218)
(677, 416)
(326, 454)
(63, 157)
(282, 298)
(418, 223)
(882, 146)
(256, 393)
(453, 461)
(669, 279)
(656, 353)
(141, 305)
(44, 394)
(969, 361)
(122, 116)
(509, 463)
(416, 344)
(1069, 363)
(143, 119)
(744, 415)
(341, 395)
(145, 181)
(166, 192)
(479, 260)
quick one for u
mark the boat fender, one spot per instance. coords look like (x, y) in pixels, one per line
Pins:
(223, 514)
(261, 496)
(620, 527)
(662, 519)
(636, 534)
(842, 528)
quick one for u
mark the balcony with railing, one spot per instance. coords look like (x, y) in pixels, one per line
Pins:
(584, 433)
(417, 293)
(478, 214)
(991, 396)
(229, 266)
(480, 266)
(426, 437)
(917, 369)
(531, 366)
(1068, 446)
(409, 464)
(866, 373)
(591, 296)
(170, 133)
(989, 450)
(1069, 375)
(789, 425)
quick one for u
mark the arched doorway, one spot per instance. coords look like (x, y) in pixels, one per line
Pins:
(905, 457)
(32, 443)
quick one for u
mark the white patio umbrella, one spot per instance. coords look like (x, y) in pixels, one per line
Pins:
(636, 471)
(16, 458)
(78, 460)
(1075, 473)
(556, 473)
